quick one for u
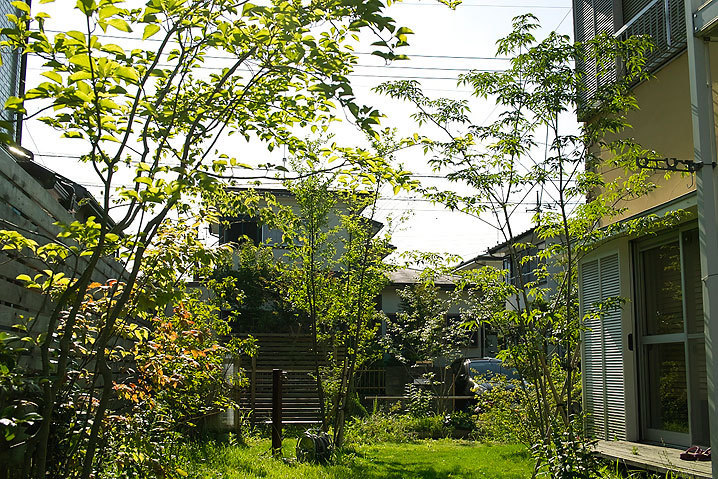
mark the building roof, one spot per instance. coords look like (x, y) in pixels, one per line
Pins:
(74, 197)
(480, 258)
(413, 276)
(284, 192)
(519, 238)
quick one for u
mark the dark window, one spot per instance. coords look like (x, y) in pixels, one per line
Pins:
(235, 230)
(528, 267)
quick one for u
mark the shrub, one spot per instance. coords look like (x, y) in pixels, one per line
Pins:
(503, 416)
(421, 401)
(460, 420)
(400, 428)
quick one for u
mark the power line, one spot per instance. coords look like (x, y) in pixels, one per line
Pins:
(484, 5)
(450, 57)
(214, 57)
(393, 67)
(365, 75)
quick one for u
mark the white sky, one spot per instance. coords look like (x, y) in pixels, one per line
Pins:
(440, 36)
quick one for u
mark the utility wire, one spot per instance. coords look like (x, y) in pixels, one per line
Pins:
(214, 57)
(485, 5)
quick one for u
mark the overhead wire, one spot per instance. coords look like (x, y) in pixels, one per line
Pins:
(489, 5)
(215, 57)
(397, 67)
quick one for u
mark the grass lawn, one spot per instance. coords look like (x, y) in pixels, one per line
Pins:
(442, 459)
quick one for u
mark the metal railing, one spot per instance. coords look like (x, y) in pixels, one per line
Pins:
(664, 22)
(371, 382)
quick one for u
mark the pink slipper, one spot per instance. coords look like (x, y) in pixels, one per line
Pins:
(704, 455)
(691, 454)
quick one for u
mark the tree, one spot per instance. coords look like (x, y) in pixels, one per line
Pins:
(156, 115)
(500, 162)
(333, 269)
(253, 292)
(421, 330)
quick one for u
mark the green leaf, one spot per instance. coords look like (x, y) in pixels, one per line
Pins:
(128, 73)
(81, 60)
(23, 277)
(22, 6)
(13, 102)
(150, 30)
(86, 6)
(108, 11)
(54, 76)
(144, 180)
(72, 134)
(119, 24)
(81, 75)
(112, 48)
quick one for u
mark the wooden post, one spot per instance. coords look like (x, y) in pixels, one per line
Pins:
(237, 395)
(277, 412)
(452, 390)
(253, 384)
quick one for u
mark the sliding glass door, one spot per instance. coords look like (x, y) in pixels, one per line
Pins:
(671, 347)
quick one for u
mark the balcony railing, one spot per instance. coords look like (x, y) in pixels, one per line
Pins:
(664, 22)
(661, 20)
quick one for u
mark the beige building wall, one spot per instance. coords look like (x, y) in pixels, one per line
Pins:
(663, 124)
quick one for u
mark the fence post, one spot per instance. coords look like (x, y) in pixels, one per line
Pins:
(277, 412)
(453, 391)
(253, 384)
(236, 368)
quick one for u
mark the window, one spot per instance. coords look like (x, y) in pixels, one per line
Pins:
(529, 264)
(672, 346)
(602, 349)
(236, 230)
(272, 236)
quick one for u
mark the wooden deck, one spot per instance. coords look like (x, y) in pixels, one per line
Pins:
(653, 458)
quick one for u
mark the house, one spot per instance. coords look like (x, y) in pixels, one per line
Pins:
(520, 260)
(479, 343)
(644, 364)
(237, 228)
(481, 260)
(285, 344)
(289, 348)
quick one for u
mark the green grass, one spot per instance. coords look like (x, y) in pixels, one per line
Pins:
(442, 459)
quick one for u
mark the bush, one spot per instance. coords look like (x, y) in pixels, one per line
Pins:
(421, 401)
(398, 428)
(503, 417)
(460, 420)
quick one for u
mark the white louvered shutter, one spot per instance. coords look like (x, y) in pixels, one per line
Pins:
(613, 350)
(604, 394)
(631, 8)
(592, 17)
(592, 361)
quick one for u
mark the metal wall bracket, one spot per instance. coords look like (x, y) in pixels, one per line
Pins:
(668, 164)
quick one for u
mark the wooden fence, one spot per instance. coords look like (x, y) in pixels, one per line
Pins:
(27, 207)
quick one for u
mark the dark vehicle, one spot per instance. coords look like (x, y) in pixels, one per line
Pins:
(488, 372)
(476, 376)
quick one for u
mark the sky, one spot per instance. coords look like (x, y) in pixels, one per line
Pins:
(445, 43)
